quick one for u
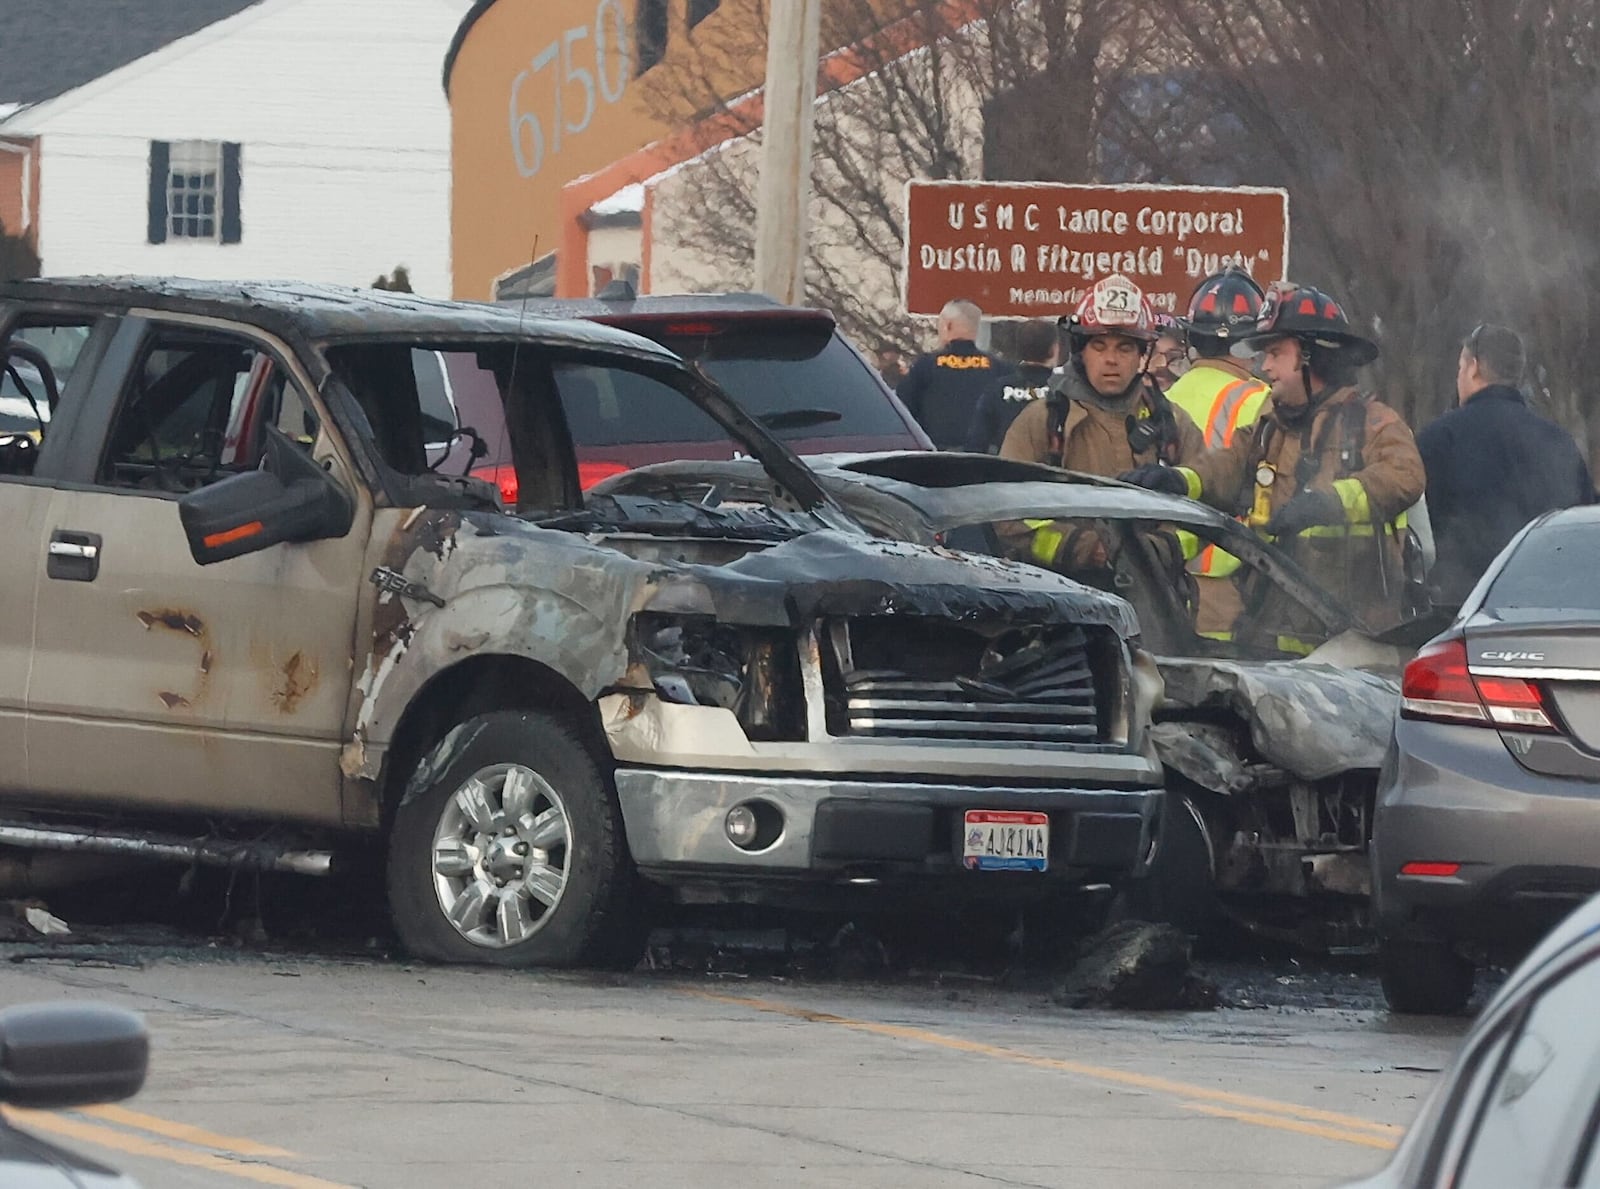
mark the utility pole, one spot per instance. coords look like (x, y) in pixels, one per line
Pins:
(790, 104)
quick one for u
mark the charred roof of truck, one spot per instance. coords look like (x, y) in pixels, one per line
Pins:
(320, 313)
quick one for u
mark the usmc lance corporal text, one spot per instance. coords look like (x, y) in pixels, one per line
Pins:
(1144, 260)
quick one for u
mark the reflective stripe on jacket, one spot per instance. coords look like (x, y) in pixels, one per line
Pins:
(1366, 457)
(1093, 440)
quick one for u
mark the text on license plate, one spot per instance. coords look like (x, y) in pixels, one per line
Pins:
(999, 840)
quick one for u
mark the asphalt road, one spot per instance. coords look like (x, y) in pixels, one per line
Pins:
(319, 1072)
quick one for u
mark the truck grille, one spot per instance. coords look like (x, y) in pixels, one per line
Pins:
(908, 679)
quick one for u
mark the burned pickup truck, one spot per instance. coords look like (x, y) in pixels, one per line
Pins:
(1271, 758)
(259, 617)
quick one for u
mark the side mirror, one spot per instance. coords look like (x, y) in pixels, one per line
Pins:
(59, 1055)
(290, 499)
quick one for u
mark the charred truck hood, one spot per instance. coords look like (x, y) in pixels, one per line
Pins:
(833, 573)
(799, 571)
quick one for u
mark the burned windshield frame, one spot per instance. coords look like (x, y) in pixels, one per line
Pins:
(527, 365)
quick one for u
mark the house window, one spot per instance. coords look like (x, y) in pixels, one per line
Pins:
(193, 173)
(650, 34)
(194, 191)
(699, 10)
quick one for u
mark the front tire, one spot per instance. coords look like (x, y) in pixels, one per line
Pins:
(1424, 977)
(507, 849)
(1180, 888)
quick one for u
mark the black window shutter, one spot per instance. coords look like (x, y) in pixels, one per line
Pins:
(232, 230)
(160, 159)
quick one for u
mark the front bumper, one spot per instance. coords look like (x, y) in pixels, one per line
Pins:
(1525, 841)
(838, 829)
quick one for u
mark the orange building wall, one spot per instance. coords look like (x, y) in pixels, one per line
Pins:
(512, 202)
(503, 203)
(19, 188)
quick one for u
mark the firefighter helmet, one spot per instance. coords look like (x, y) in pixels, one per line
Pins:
(1115, 305)
(1310, 315)
(1224, 305)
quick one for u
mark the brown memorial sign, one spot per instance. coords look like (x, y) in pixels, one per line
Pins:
(1033, 249)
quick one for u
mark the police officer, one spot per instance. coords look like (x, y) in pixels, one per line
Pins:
(1493, 463)
(941, 389)
(1328, 472)
(1103, 416)
(1221, 395)
(1038, 351)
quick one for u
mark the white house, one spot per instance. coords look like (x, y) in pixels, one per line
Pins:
(306, 139)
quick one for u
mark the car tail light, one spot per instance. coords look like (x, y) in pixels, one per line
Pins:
(1438, 686)
(504, 476)
(1431, 870)
(590, 473)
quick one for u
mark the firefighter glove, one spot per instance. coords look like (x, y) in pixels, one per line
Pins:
(1307, 509)
(1157, 478)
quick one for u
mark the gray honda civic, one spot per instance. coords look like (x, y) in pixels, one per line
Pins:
(1487, 830)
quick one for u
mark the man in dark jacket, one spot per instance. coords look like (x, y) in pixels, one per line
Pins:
(1493, 464)
(942, 387)
(1038, 351)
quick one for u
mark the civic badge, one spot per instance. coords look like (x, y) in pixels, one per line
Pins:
(1266, 475)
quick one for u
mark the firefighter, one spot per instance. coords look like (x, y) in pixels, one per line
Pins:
(1327, 473)
(1221, 395)
(1169, 358)
(941, 390)
(1103, 416)
(1218, 390)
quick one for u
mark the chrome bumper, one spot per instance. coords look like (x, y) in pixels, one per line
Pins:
(675, 819)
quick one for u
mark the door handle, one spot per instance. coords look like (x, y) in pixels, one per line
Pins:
(70, 549)
(72, 556)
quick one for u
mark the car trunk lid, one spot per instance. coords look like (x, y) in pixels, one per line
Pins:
(1559, 655)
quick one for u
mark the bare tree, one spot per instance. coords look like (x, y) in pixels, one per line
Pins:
(919, 89)
(1440, 154)
(1440, 157)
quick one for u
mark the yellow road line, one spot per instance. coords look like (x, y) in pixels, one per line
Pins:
(183, 1132)
(135, 1145)
(1296, 1125)
(1100, 1073)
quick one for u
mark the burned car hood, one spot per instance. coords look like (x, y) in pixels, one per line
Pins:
(834, 573)
(1309, 719)
(952, 490)
(812, 567)
(665, 517)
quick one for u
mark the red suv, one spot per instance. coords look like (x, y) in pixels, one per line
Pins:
(789, 367)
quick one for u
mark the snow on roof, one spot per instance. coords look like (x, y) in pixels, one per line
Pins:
(627, 201)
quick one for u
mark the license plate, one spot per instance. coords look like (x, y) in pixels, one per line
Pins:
(998, 840)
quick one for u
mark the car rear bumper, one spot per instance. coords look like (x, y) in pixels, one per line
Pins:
(1525, 841)
(841, 828)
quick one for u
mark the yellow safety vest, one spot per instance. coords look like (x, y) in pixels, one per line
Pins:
(1220, 403)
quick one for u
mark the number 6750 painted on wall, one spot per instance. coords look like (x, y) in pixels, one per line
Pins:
(612, 61)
